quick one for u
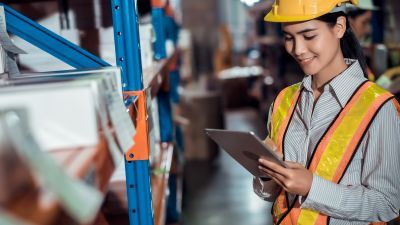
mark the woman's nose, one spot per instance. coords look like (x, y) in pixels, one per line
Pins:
(298, 48)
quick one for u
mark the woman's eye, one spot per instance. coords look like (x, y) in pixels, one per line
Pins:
(288, 38)
(309, 37)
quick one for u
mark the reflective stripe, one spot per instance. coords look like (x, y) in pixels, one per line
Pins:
(283, 108)
(346, 132)
(307, 217)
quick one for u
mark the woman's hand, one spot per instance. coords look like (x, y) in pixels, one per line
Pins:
(295, 179)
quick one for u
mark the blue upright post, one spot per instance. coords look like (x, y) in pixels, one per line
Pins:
(171, 33)
(127, 49)
(165, 115)
(127, 45)
(157, 15)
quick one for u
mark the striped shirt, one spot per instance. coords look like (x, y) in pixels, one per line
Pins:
(370, 188)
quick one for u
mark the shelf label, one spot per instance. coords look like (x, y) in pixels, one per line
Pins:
(115, 151)
(121, 121)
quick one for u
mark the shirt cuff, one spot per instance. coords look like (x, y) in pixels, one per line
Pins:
(267, 190)
(323, 194)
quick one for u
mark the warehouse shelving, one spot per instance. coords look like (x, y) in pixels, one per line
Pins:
(153, 76)
(116, 201)
(94, 164)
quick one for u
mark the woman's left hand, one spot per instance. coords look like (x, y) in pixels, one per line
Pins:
(295, 179)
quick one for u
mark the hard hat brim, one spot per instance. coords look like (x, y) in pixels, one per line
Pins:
(287, 19)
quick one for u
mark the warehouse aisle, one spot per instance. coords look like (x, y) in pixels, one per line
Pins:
(221, 193)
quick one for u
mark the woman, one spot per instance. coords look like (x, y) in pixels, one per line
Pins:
(360, 21)
(360, 18)
(337, 132)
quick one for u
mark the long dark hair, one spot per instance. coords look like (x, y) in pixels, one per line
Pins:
(349, 44)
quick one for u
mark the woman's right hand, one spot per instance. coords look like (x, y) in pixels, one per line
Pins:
(294, 179)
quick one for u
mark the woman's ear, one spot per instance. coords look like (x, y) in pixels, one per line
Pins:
(340, 27)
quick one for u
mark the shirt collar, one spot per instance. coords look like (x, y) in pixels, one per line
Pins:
(344, 85)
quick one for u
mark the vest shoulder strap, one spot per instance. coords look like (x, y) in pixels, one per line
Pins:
(337, 147)
(283, 108)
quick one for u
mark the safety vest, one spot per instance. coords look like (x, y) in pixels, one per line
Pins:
(334, 151)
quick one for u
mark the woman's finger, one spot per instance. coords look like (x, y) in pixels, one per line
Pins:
(272, 173)
(276, 180)
(280, 183)
(274, 167)
(294, 165)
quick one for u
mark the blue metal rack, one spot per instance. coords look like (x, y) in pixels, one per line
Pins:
(128, 55)
(127, 48)
(50, 42)
(171, 33)
(127, 45)
(157, 15)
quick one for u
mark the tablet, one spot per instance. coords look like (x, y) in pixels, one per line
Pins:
(245, 147)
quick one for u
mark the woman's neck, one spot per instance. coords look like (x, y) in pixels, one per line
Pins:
(336, 67)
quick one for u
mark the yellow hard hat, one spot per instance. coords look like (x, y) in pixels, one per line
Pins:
(302, 10)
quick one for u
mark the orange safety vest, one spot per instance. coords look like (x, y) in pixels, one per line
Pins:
(336, 148)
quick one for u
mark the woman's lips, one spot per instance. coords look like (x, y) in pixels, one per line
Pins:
(306, 61)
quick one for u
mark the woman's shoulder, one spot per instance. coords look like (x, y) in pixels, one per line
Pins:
(391, 107)
(387, 115)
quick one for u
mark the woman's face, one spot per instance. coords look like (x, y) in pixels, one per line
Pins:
(313, 44)
(361, 24)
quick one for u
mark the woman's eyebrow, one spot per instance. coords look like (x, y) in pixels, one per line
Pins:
(306, 30)
(302, 31)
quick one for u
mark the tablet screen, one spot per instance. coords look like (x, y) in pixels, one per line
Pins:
(245, 147)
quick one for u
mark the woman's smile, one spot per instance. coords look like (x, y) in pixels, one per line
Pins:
(305, 61)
